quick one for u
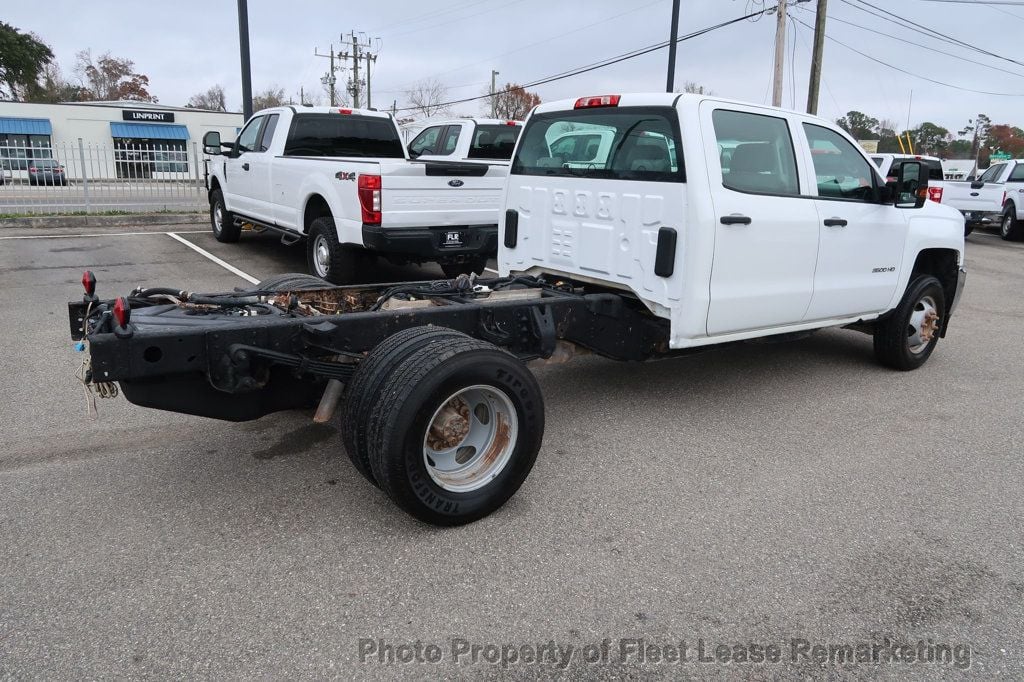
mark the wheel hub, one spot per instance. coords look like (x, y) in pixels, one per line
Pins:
(923, 324)
(470, 438)
(322, 255)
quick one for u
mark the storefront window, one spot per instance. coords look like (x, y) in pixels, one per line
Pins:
(16, 150)
(140, 158)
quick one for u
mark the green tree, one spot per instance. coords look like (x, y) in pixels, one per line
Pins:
(22, 58)
(930, 138)
(52, 87)
(859, 125)
(977, 128)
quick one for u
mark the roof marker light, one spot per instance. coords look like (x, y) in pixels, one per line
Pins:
(598, 101)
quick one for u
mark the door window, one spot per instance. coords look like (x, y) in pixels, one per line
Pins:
(756, 152)
(426, 141)
(268, 133)
(451, 140)
(993, 173)
(841, 172)
(1017, 174)
(246, 141)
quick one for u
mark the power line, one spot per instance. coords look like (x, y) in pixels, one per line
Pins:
(915, 75)
(527, 46)
(609, 61)
(908, 23)
(429, 27)
(926, 47)
(433, 14)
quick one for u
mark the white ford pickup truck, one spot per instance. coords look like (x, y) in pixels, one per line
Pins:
(663, 243)
(997, 197)
(465, 139)
(341, 179)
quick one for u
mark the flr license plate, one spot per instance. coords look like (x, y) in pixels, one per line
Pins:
(452, 239)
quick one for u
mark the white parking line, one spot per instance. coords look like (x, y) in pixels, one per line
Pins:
(108, 234)
(203, 252)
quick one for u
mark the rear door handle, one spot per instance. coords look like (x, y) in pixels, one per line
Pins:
(835, 222)
(735, 219)
(245, 166)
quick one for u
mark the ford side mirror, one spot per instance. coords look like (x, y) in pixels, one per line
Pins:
(977, 184)
(911, 185)
(212, 143)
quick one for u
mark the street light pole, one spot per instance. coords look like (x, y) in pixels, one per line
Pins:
(670, 81)
(243, 48)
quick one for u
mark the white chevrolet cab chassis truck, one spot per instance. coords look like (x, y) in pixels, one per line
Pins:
(697, 221)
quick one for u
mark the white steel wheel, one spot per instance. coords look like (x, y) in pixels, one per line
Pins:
(218, 217)
(923, 324)
(321, 256)
(470, 438)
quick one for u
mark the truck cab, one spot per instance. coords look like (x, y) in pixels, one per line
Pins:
(732, 220)
(465, 139)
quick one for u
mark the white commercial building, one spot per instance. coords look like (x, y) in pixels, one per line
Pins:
(110, 139)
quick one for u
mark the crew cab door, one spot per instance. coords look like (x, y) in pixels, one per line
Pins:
(238, 180)
(766, 233)
(861, 240)
(985, 195)
(257, 188)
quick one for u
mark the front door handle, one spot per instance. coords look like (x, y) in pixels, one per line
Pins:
(735, 219)
(245, 166)
(835, 222)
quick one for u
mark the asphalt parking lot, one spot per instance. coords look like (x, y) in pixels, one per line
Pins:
(761, 494)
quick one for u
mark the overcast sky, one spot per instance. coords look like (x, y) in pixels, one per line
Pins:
(186, 46)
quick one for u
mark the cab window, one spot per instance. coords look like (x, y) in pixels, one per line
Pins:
(426, 141)
(451, 140)
(756, 153)
(840, 171)
(993, 173)
(246, 141)
(632, 143)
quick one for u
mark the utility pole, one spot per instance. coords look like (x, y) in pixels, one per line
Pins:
(494, 103)
(780, 53)
(814, 84)
(369, 91)
(670, 83)
(329, 79)
(355, 71)
(243, 49)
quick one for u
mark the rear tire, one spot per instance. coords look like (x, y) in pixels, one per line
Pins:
(327, 257)
(221, 220)
(455, 430)
(906, 338)
(292, 281)
(1010, 228)
(365, 386)
(473, 265)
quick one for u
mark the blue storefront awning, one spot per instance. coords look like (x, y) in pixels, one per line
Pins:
(148, 131)
(26, 126)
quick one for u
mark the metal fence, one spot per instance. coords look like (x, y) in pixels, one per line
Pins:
(102, 178)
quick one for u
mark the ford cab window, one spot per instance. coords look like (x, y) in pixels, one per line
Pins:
(636, 143)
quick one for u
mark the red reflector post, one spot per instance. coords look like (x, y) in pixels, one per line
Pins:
(369, 188)
(89, 282)
(598, 101)
(122, 311)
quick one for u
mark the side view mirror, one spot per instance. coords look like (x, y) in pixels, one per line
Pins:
(911, 186)
(212, 143)
(977, 184)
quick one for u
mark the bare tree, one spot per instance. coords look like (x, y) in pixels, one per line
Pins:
(110, 78)
(427, 97)
(271, 97)
(212, 99)
(696, 88)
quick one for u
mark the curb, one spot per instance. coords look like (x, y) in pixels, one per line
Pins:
(106, 220)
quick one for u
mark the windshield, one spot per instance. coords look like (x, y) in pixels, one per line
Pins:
(343, 135)
(494, 141)
(635, 143)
